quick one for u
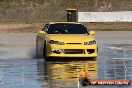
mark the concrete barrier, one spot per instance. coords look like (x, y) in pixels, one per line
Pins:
(121, 16)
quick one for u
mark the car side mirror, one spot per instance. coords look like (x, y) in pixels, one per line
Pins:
(92, 33)
(42, 32)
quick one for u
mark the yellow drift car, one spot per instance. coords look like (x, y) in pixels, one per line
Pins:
(65, 39)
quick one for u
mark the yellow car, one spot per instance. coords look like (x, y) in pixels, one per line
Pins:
(65, 39)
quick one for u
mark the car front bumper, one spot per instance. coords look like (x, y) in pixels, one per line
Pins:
(72, 50)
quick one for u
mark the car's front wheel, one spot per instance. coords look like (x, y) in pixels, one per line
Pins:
(44, 51)
(36, 48)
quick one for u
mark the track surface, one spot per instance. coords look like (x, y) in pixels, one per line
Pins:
(20, 68)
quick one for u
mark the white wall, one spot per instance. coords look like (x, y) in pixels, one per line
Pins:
(121, 16)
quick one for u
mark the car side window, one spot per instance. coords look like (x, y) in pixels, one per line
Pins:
(45, 28)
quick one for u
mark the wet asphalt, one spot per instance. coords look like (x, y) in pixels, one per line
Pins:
(20, 68)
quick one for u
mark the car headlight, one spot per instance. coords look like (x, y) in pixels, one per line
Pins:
(56, 42)
(90, 42)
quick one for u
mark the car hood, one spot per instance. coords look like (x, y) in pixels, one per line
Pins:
(74, 38)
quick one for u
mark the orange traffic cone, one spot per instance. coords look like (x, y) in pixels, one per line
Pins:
(84, 73)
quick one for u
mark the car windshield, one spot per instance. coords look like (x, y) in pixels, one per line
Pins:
(67, 29)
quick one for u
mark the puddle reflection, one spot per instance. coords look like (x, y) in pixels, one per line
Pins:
(66, 73)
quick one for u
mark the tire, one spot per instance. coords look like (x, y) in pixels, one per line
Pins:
(97, 49)
(85, 81)
(45, 51)
(36, 49)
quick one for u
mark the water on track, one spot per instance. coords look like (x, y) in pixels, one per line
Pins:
(19, 68)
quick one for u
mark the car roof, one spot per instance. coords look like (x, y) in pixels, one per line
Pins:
(64, 23)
